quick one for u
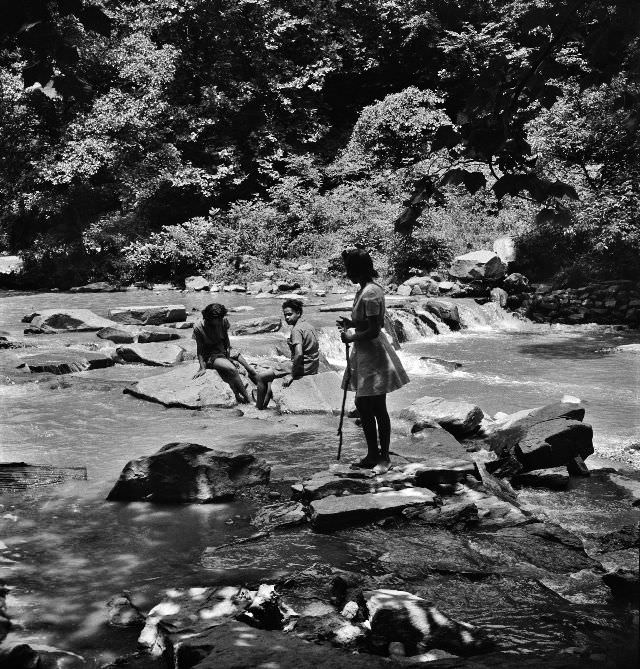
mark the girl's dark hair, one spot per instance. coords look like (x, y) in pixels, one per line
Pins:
(296, 305)
(214, 310)
(358, 261)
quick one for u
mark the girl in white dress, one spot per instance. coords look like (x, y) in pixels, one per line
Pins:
(374, 368)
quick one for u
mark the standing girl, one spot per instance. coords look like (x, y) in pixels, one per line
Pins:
(374, 368)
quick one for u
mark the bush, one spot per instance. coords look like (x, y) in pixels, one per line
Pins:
(177, 251)
(419, 254)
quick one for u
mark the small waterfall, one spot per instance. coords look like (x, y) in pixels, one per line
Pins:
(489, 317)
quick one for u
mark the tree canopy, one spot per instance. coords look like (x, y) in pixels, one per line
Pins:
(119, 118)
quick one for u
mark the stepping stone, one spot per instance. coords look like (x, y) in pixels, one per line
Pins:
(20, 475)
(161, 355)
(67, 320)
(333, 512)
(66, 361)
(149, 314)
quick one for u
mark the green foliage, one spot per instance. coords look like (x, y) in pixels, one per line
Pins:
(301, 127)
(396, 131)
(417, 255)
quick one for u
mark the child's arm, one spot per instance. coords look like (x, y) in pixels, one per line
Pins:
(227, 342)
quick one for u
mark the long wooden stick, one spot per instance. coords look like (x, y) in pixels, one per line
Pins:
(347, 378)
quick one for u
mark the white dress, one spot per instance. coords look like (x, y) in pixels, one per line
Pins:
(375, 368)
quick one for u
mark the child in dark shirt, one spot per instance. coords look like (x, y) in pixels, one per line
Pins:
(215, 352)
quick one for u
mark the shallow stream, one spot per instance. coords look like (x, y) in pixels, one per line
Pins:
(64, 551)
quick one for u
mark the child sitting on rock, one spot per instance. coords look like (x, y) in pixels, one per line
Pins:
(305, 354)
(214, 350)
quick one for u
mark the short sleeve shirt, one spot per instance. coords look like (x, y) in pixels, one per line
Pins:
(210, 337)
(368, 302)
(304, 334)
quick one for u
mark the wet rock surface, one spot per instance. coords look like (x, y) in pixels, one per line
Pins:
(161, 355)
(188, 473)
(66, 361)
(178, 388)
(132, 334)
(458, 417)
(149, 314)
(316, 394)
(253, 326)
(67, 320)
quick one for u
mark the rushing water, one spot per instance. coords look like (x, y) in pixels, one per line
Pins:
(67, 551)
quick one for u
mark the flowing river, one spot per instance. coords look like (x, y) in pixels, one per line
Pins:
(64, 550)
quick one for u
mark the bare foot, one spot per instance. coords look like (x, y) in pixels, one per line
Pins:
(382, 466)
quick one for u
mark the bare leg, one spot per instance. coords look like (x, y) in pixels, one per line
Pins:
(229, 373)
(368, 420)
(251, 370)
(384, 424)
(263, 384)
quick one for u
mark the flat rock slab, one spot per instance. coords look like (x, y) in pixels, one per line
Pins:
(66, 361)
(430, 443)
(390, 301)
(188, 473)
(280, 515)
(550, 480)
(456, 416)
(178, 388)
(431, 472)
(131, 334)
(255, 326)
(97, 287)
(20, 475)
(160, 355)
(67, 320)
(316, 394)
(332, 512)
(149, 314)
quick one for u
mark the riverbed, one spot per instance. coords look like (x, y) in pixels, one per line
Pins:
(67, 550)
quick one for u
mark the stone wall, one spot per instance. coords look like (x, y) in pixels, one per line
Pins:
(607, 302)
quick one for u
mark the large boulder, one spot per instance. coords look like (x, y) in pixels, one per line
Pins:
(483, 265)
(516, 283)
(332, 512)
(196, 283)
(188, 473)
(553, 443)
(66, 361)
(546, 437)
(67, 320)
(149, 314)
(178, 388)
(445, 310)
(160, 355)
(315, 394)
(456, 416)
(256, 326)
(131, 334)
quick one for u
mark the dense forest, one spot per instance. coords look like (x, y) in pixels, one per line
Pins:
(154, 139)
